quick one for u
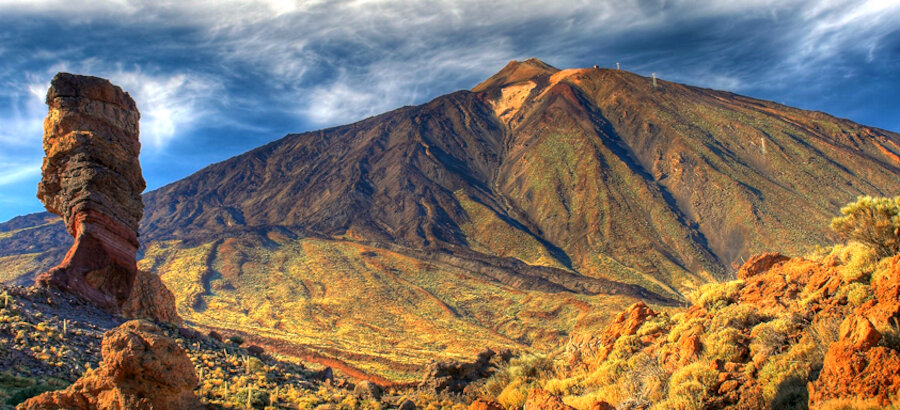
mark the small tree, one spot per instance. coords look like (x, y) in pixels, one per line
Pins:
(872, 221)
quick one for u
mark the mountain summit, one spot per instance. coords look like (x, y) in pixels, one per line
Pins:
(494, 215)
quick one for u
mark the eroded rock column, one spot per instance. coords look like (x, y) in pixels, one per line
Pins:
(91, 177)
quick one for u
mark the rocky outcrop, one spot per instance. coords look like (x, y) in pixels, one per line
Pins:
(760, 263)
(141, 369)
(542, 399)
(151, 299)
(855, 367)
(454, 376)
(597, 347)
(91, 177)
(884, 308)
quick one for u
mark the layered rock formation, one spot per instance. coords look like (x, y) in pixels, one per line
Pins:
(141, 369)
(92, 179)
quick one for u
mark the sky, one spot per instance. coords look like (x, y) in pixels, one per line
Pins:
(213, 79)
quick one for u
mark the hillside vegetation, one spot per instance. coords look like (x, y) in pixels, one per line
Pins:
(816, 332)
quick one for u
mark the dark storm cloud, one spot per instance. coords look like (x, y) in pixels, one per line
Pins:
(214, 79)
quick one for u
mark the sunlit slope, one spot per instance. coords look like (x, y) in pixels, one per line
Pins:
(380, 311)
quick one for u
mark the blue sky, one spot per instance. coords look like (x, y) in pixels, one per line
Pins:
(215, 78)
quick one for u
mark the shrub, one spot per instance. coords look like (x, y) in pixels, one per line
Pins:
(771, 337)
(526, 367)
(725, 344)
(857, 260)
(514, 395)
(690, 387)
(565, 387)
(717, 295)
(685, 325)
(873, 221)
(857, 293)
(645, 382)
(656, 324)
(236, 340)
(736, 316)
(891, 335)
(783, 373)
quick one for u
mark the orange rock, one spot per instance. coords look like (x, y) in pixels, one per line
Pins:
(602, 405)
(688, 348)
(482, 404)
(141, 369)
(854, 369)
(626, 323)
(859, 333)
(542, 399)
(759, 264)
(886, 289)
(151, 299)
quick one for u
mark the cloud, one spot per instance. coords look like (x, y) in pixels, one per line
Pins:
(170, 103)
(14, 173)
(215, 78)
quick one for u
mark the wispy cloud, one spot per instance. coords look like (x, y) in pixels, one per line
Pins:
(214, 78)
(11, 173)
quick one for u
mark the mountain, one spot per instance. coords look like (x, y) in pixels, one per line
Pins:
(532, 206)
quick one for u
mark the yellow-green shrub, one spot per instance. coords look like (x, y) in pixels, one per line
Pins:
(716, 295)
(515, 393)
(856, 293)
(736, 316)
(857, 260)
(770, 337)
(725, 344)
(690, 387)
(873, 221)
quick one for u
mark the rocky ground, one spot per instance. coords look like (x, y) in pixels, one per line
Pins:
(51, 339)
(790, 333)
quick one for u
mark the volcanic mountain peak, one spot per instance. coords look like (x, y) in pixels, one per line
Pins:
(515, 71)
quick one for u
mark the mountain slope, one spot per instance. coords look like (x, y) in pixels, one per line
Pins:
(504, 216)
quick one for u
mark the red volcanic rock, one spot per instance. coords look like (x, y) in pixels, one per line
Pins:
(141, 369)
(602, 405)
(884, 309)
(854, 368)
(150, 299)
(759, 264)
(858, 333)
(542, 399)
(627, 322)
(92, 179)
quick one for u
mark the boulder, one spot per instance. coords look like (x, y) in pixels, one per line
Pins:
(150, 299)
(759, 264)
(141, 369)
(855, 368)
(454, 376)
(544, 400)
(366, 388)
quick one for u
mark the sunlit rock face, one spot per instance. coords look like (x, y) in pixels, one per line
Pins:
(91, 177)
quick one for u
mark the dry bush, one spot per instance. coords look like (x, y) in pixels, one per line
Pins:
(873, 221)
